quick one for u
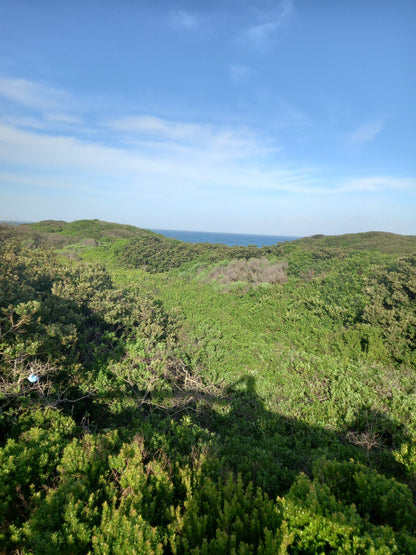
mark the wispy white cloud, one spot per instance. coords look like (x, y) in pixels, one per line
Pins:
(33, 95)
(174, 136)
(185, 21)
(374, 184)
(221, 159)
(155, 156)
(262, 34)
(194, 159)
(156, 127)
(31, 105)
(22, 121)
(367, 132)
(269, 22)
(53, 182)
(60, 117)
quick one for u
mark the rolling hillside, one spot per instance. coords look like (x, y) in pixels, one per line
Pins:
(162, 397)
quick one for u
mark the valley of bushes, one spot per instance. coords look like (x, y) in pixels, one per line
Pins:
(161, 397)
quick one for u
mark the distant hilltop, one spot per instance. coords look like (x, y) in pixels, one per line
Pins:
(143, 247)
(382, 241)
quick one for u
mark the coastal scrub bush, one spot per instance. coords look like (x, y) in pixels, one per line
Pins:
(28, 466)
(319, 523)
(226, 517)
(392, 307)
(63, 518)
(349, 508)
(156, 430)
(382, 500)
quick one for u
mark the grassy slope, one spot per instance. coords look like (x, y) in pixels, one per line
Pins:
(302, 386)
(292, 344)
(299, 357)
(295, 356)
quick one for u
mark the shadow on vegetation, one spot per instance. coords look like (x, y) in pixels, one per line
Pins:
(66, 364)
(265, 447)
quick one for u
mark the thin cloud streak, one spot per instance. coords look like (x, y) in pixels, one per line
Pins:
(185, 21)
(199, 169)
(175, 137)
(190, 166)
(157, 127)
(262, 34)
(379, 183)
(33, 96)
(367, 132)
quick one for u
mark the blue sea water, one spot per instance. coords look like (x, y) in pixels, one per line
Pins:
(230, 239)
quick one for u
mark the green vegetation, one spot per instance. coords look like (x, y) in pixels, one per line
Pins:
(189, 398)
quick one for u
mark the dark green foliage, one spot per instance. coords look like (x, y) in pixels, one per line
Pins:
(349, 508)
(392, 307)
(175, 414)
(47, 323)
(64, 518)
(93, 229)
(321, 523)
(382, 500)
(378, 241)
(28, 466)
(223, 517)
(156, 253)
(75, 239)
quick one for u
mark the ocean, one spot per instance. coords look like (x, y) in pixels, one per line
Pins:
(230, 239)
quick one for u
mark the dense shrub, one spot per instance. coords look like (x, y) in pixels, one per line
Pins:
(392, 307)
(152, 429)
(347, 508)
(380, 499)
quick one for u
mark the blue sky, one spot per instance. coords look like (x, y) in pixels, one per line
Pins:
(283, 117)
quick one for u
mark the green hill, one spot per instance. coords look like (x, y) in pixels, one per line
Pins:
(164, 397)
(380, 241)
(129, 246)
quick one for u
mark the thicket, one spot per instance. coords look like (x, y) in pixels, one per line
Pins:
(164, 416)
(375, 241)
(156, 253)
